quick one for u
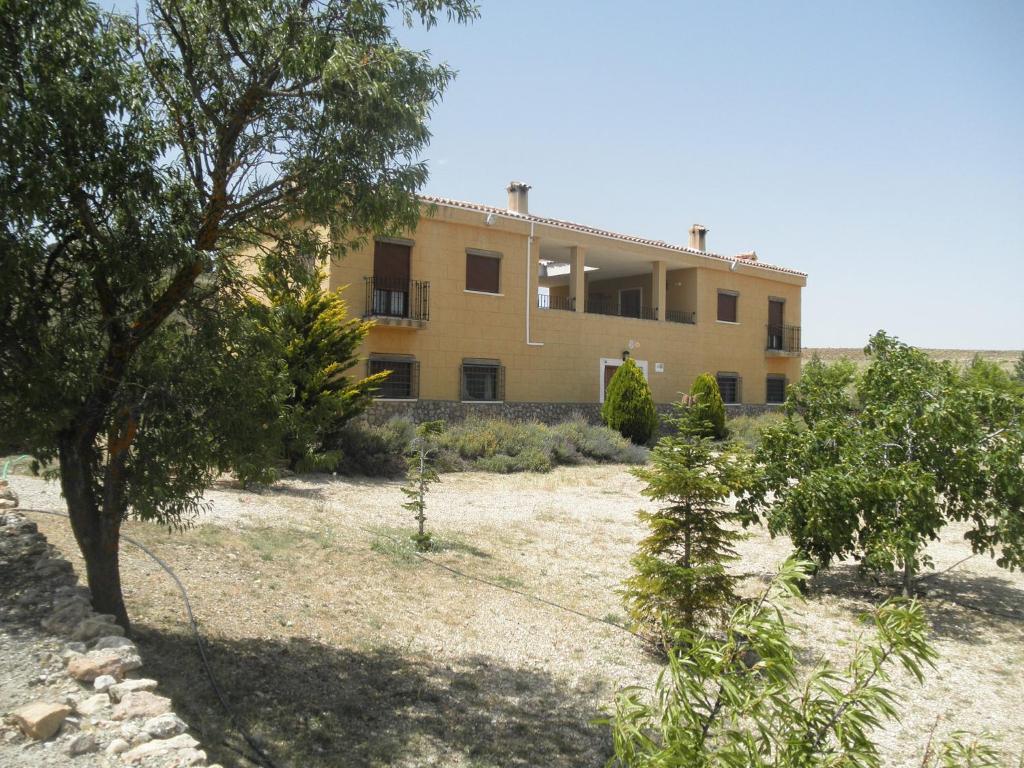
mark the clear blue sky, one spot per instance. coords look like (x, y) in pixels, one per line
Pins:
(878, 146)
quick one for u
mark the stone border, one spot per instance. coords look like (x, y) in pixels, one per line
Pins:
(108, 712)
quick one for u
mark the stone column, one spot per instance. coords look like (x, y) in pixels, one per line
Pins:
(659, 275)
(577, 276)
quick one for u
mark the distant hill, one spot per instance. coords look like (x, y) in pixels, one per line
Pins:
(1005, 358)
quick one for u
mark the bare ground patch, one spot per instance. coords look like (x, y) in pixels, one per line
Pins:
(338, 647)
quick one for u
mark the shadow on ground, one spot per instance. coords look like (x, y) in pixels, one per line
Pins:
(954, 600)
(311, 704)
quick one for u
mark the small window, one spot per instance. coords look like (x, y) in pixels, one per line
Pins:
(403, 381)
(483, 380)
(483, 271)
(775, 389)
(727, 301)
(729, 386)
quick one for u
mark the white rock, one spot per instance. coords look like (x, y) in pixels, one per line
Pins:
(112, 641)
(92, 627)
(93, 705)
(117, 746)
(190, 757)
(103, 682)
(119, 691)
(164, 726)
(159, 747)
(141, 738)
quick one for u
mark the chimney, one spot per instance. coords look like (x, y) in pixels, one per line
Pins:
(698, 236)
(518, 197)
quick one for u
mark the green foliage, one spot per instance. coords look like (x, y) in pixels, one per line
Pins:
(680, 578)
(138, 162)
(746, 430)
(736, 699)
(420, 476)
(319, 344)
(706, 412)
(628, 405)
(373, 450)
(984, 374)
(878, 472)
(1018, 369)
(497, 445)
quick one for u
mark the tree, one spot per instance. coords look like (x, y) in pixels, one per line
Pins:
(420, 476)
(628, 404)
(878, 473)
(319, 344)
(1018, 369)
(737, 700)
(708, 409)
(139, 161)
(680, 577)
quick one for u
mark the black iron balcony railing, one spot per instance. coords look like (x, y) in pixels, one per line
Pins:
(678, 316)
(546, 301)
(783, 338)
(391, 297)
(603, 305)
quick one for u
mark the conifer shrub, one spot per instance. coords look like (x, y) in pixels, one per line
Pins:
(706, 412)
(628, 405)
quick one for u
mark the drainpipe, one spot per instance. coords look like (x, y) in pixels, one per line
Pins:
(530, 300)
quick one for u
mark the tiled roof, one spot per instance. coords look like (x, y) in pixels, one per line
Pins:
(603, 233)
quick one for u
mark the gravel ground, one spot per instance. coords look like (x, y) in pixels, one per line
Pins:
(338, 647)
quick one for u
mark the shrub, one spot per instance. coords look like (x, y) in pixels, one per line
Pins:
(746, 430)
(628, 404)
(706, 412)
(373, 450)
(737, 699)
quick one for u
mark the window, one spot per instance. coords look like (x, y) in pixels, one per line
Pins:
(404, 381)
(483, 380)
(775, 389)
(483, 271)
(729, 386)
(727, 301)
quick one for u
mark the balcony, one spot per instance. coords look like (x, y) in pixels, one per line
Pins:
(397, 302)
(564, 303)
(678, 316)
(604, 305)
(783, 340)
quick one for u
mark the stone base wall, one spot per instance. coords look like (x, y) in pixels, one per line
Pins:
(546, 413)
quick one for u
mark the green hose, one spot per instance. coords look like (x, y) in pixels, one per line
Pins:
(10, 463)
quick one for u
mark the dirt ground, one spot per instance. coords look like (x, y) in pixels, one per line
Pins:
(337, 647)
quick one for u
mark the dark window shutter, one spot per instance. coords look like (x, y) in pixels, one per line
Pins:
(775, 313)
(482, 273)
(727, 307)
(391, 261)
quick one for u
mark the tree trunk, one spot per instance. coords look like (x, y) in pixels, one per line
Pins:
(908, 573)
(97, 527)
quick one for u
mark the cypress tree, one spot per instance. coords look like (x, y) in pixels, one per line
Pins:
(707, 411)
(628, 404)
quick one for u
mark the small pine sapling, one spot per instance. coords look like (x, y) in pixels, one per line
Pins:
(421, 474)
(681, 581)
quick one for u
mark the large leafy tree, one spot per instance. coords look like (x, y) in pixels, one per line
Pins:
(138, 161)
(876, 467)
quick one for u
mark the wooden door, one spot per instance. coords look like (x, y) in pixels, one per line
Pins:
(391, 279)
(775, 309)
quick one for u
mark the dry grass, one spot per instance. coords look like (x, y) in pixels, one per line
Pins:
(339, 647)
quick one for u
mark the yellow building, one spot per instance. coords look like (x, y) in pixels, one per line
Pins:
(499, 306)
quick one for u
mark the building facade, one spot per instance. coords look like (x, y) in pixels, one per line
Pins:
(483, 305)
